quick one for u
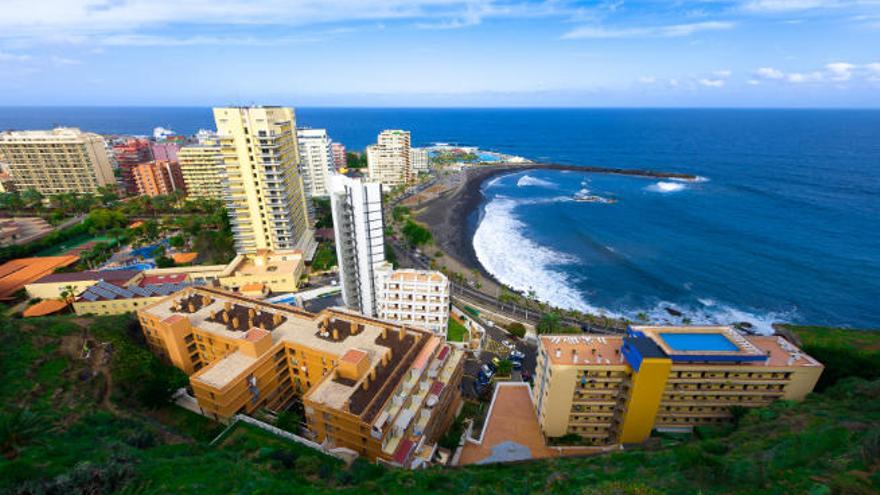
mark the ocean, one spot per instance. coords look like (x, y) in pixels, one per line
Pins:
(784, 226)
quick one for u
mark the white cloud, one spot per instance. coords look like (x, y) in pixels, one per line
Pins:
(711, 83)
(799, 77)
(723, 74)
(753, 82)
(788, 5)
(840, 71)
(647, 80)
(667, 31)
(770, 73)
(64, 61)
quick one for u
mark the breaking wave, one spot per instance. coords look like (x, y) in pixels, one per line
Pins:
(528, 180)
(666, 187)
(520, 263)
(711, 312)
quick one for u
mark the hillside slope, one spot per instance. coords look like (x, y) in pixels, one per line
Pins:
(91, 419)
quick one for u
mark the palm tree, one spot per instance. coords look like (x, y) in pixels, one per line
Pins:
(68, 294)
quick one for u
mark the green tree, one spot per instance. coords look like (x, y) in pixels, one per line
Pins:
(32, 198)
(416, 234)
(289, 421)
(550, 322)
(505, 367)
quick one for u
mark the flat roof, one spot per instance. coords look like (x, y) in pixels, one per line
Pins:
(512, 432)
(111, 276)
(683, 343)
(583, 350)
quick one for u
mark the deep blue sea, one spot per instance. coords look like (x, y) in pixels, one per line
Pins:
(785, 226)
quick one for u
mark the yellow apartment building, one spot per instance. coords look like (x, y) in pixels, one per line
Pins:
(263, 189)
(617, 389)
(384, 391)
(63, 160)
(202, 169)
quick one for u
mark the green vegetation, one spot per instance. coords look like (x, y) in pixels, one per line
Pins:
(517, 329)
(456, 332)
(415, 233)
(454, 156)
(74, 425)
(355, 160)
(400, 213)
(325, 257)
(844, 353)
(390, 254)
(504, 367)
(549, 323)
(323, 213)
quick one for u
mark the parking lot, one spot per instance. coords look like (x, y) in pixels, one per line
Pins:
(498, 344)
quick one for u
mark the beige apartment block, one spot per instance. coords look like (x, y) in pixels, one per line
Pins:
(418, 298)
(389, 160)
(63, 160)
(264, 192)
(202, 169)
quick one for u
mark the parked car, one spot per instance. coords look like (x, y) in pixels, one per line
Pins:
(495, 363)
(517, 365)
(488, 370)
(526, 376)
(516, 355)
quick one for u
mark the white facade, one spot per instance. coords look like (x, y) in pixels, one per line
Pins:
(418, 298)
(315, 160)
(388, 161)
(419, 161)
(360, 242)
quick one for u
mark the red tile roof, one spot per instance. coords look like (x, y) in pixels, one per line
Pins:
(172, 278)
(403, 450)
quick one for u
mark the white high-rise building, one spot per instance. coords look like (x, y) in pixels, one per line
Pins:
(315, 160)
(388, 161)
(419, 161)
(418, 298)
(263, 189)
(360, 244)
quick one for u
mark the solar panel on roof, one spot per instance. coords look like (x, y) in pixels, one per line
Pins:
(88, 296)
(103, 293)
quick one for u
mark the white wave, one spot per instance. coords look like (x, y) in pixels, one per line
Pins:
(713, 313)
(493, 181)
(528, 180)
(521, 263)
(666, 187)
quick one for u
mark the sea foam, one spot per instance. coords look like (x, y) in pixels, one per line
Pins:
(521, 263)
(666, 187)
(528, 180)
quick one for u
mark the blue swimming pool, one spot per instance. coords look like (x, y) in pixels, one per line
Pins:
(698, 342)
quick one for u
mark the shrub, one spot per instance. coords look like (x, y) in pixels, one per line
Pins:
(517, 329)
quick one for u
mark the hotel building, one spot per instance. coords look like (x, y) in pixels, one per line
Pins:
(384, 391)
(263, 189)
(63, 160)
(338, 152)
(420, 161)
(388, 161)
(416, 298)
(129, 154)
(202, 170)
(158, 178)
(617, 389)
(360, 243)
(315, 160)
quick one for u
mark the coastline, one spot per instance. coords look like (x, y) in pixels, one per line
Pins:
(445, 215)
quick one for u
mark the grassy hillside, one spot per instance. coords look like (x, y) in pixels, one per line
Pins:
(98, 425)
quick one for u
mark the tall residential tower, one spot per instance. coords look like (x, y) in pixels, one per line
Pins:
(264, 191)
(360, 245)
(389, 160)
(316, 160)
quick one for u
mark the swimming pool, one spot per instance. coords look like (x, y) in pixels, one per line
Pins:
(698, 342)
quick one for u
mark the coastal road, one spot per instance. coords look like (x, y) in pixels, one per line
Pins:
(466, 295)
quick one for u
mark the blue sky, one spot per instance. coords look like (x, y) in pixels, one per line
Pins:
(734, 53)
